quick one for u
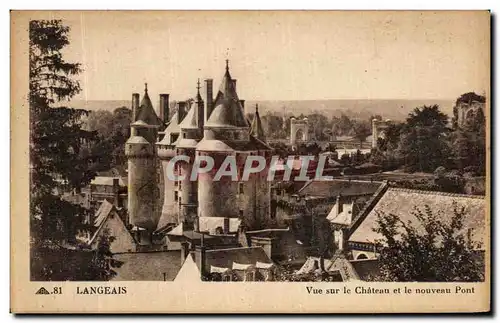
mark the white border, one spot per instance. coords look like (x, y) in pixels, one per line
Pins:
(189, 4)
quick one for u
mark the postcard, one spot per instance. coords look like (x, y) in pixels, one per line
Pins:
(250, 161)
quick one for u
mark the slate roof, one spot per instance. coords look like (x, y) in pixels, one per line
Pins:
(146, 112)
(402, 202)
(228, 111)
(100, 218)
(190, 121)
(329, 188)
(253, 144)
(148, 266)
(256, 129)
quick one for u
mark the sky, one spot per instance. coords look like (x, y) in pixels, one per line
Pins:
(281, 55)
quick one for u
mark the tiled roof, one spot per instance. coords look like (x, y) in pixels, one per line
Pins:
(336, 187)
(102, 213)
(101, 216)
(148, 266)
(403, 202)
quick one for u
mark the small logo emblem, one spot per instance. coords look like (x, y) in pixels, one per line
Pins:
(42, 291)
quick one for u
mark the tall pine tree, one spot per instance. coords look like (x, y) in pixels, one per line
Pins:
(57, 140)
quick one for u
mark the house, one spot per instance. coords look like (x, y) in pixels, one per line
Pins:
(362, 240)
(110, 188)
(338, 266)
(108, 222)
(242, 264)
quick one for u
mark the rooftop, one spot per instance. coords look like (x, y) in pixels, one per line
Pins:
(404, 202)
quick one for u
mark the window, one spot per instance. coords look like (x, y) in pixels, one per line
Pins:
(184, 135)
(362, 256)
(240, 188)
(278, 192)
(249, 276)
(241, 214)
(176, 196)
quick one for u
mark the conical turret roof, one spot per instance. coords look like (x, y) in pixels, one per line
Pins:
(256, 129)
(146, 111)
(228, 111)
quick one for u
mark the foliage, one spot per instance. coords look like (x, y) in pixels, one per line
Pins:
(57, 141)
(61, 159)
(51, 262)
(361, 130)
(103, 264)
(113, 130)
(433, 248)
(423, 143)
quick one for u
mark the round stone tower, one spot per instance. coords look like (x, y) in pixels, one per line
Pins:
(143, 192)
(191, 134)
(227, 137)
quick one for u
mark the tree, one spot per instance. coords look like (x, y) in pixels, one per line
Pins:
(361, 131)
(113, 130)
(56, 134)
(433, 250)
(318, 124)
(391, 137)
(273, 126)
(103, 264)
(423, 142)
(341, 126)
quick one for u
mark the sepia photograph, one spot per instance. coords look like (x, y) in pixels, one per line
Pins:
(263, 147)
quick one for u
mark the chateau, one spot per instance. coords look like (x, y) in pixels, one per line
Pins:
(215, 126)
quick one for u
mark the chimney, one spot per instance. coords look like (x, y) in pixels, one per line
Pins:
(135, 111)
(201, 115)
(135, 106)
(164, 107)
(116, 191)
(226, 226)
(181, 110)
(210, 98)
(339, 206)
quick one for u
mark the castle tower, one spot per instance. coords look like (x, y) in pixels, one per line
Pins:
(191, 134)
(140, 150)
(256, 129)
(166, 151)
(227, 134)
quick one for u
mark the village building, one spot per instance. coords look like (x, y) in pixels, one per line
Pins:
(362, 239)
(243, 264)
(108, 223)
